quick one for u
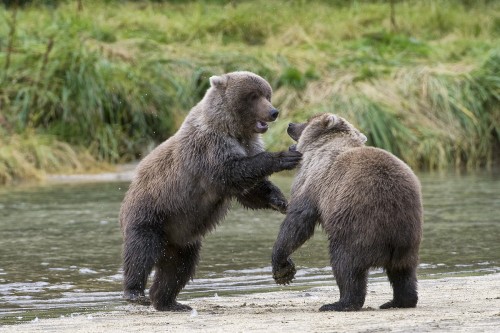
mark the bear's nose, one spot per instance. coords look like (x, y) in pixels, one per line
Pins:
(274, 114)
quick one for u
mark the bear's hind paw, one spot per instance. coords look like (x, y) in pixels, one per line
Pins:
(338, 306)
(394, 304)
(175, 307)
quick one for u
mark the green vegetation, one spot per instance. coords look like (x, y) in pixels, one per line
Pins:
(84, 86)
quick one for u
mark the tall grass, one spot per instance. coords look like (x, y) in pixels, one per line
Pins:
(29, 156)
(115, 78)
(432, 117)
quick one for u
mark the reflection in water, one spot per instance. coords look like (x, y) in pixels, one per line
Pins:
(60, 245)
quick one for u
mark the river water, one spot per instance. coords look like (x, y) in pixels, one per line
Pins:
(60, 245)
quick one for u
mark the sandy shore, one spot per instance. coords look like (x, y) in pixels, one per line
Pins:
(464, 304)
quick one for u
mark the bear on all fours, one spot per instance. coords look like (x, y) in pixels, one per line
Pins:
(367, 201)
(183, 188)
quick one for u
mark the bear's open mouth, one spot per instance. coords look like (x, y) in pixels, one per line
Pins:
(261, 126)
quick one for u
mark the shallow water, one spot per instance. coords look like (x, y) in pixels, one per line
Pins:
(60, 245)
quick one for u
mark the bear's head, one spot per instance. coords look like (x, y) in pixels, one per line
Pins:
(245, 97)
(322, 129)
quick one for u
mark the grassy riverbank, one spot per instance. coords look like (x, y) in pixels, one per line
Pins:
(104, 83)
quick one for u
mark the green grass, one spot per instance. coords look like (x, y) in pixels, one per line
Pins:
(114, 79)
(28, 156)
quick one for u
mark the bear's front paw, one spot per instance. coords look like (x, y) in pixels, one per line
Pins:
(288, 160)
(284, 273)
(279, 204)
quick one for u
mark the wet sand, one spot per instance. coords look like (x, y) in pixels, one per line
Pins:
(461, 304)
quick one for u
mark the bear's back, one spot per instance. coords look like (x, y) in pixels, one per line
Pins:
(371, 193)
(375, 169)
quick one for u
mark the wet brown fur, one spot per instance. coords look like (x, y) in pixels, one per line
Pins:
(368, 202)
(183, 188)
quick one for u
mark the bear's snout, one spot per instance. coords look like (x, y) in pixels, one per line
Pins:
(289, 130)
(274, 114)
(294, 130)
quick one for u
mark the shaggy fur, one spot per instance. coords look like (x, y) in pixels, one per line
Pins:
(369, 204)
(183, 188)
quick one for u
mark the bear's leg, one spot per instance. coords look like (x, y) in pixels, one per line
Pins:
(352, 287)
(172, 273)
(298, 227)
(404, 285)
(140, 252)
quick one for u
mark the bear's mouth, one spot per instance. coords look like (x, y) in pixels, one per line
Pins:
(261, 126)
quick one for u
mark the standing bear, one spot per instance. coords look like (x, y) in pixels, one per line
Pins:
(183, 188)
(369, 204)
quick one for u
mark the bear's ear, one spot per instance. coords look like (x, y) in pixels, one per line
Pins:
(330, 121)
(363, 137)
(218, 82)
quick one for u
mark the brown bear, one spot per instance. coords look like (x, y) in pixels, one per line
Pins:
(369, 204)
(183, 188)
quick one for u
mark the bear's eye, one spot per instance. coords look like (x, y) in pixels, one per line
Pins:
(253, 96)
